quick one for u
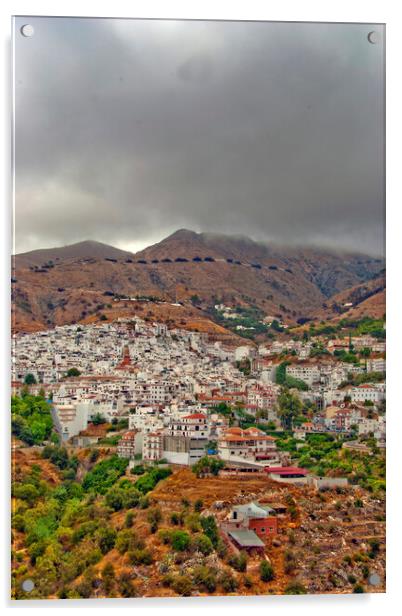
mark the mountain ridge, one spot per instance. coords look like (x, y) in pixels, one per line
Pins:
(71, 283)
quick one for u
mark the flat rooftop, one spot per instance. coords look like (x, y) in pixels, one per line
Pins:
(246, 538)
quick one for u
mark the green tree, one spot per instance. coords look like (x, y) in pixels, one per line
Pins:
(266, 571)
(180, 540)
(73, 372)
(104, 474)
(98, 419)
(210, 529)
(289, 407)
(106, 537)
(203, 544)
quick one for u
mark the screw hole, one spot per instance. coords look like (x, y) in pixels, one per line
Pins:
(27, 30)
(373, 37)
(28, 585)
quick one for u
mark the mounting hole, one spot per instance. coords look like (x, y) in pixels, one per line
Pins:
(373, 37)
(27, 30)
(28, 585)
(374, 579)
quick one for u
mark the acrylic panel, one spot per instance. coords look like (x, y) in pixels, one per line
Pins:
(198, 308)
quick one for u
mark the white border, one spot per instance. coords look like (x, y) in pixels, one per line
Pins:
(290, 10)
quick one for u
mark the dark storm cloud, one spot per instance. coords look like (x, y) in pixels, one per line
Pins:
(129, 130)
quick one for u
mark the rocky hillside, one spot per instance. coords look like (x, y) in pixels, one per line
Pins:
(77, 282)
(366, 299)
(81, 250)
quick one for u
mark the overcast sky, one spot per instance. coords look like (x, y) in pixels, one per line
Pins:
(129, 130)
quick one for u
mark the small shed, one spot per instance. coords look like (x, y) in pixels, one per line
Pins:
(246, 540)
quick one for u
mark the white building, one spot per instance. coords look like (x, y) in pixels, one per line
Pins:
(252, 444)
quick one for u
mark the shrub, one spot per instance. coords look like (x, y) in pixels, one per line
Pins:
(104, 474)
(140, 557)
(221, 548)
(31, 420)
(108, 577)
(27, 492)
(138, 469)
(164, 536)
(192, 522)
(126, 587)
(247, 581)
(203, 544)
(106, 537)
(129, 519)
(180, 540)
(375, 547)
(154, 517)
(266, 571)
(182, 585)
(295, 588)
(144, 502)
(227, 581)
(148, 480)
(365, 571)
(205, 577)
(238, 561)
(127, 540)
(121, 497)
(176, 519)
(358, 589)
(210, 529)
(198, 505)
(18, 522)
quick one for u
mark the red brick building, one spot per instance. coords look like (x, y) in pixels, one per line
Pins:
(263, 527)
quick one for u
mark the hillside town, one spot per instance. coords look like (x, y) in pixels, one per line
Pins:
(251, 436)
(169, 386)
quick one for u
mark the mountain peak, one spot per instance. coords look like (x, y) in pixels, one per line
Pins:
(79, 250)
(182, 234)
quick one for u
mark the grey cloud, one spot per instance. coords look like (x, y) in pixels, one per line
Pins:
(127, 130)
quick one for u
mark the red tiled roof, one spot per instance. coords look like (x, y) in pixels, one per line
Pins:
(129, 435)
(285, 470)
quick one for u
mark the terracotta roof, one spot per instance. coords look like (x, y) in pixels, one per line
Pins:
(129, 435)
(242, 439)
(285, 470)
(366, 386)
(237, 434)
